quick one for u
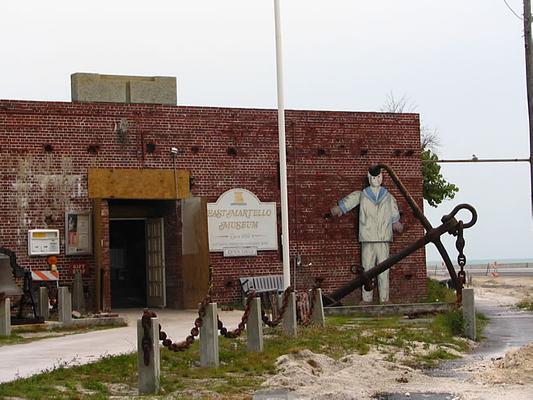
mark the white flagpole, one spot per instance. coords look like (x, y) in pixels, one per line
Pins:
(282, 154)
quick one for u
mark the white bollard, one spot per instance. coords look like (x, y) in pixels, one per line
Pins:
(149, 375)
(469, 313)
(209, 356)
(318, 310)
(5, 316)
(254, 326)
(64, 305)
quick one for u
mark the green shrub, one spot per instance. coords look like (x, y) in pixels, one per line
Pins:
(439, 293)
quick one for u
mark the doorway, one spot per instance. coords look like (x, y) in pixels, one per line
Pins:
(158, 253)
(127, 252)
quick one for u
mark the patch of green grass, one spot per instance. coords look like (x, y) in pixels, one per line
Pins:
(65, 329)
(95, 386)
(64, 382)
(451, 322)
(432, 359)
(21, 334)
(242, 372)
(481, 322)
(525, 305)
(11, 339)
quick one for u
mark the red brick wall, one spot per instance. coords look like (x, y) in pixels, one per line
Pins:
(328, 154)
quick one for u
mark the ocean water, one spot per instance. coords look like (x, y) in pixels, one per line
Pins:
(484, 261)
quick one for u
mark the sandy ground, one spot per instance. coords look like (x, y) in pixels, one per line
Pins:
(316, 376)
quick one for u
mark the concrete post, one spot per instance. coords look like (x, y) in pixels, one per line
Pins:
(78, 299)
(44, 303)
(209, 338)
(254, 326)
(149, 375)
(64, 305)
(5, 316)
(318, 311)
(289, 317)
(469, 313)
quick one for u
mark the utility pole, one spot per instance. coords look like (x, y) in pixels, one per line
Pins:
(529, 84)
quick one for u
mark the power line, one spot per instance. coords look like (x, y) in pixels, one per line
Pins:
(479, 160)
(509, 7)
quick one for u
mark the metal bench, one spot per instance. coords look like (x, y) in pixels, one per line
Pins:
(261, 284)
(264, 285)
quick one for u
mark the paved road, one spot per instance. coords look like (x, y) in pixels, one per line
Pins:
(27, 359)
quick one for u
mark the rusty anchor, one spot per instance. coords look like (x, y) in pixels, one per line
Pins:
(449, 225)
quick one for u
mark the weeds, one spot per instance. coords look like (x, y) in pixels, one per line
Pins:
(241, 372)
(438, 293)
(31, 333)
(12, 339)
(525, 305)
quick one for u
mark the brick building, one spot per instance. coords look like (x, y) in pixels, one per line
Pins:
(114, 160)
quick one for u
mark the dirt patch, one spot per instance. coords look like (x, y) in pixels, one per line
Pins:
(316, 376)
(516, 367)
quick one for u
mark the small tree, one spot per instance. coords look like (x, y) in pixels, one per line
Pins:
(436, 188)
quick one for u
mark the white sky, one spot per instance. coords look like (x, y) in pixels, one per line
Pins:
(461, 62)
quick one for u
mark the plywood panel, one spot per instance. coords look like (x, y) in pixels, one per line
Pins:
(160, 184)
(97, 224)
(195, 251)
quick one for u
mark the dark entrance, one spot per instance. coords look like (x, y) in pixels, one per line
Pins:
(127, 249)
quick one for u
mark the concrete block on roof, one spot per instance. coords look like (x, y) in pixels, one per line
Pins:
(87, 87)
(158, 90)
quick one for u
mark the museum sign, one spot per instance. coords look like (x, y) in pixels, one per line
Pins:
(239, 219)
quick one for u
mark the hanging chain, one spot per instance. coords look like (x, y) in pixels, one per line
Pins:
(210, 287)
(195, 331)
(242, 325)
(306, 320)
(461, 258)
(285, 303)
(147, 340)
